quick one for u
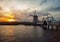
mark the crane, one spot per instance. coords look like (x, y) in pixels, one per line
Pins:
(49, 17)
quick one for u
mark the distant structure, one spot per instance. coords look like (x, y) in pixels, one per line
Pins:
(48, 17)
(35, 18)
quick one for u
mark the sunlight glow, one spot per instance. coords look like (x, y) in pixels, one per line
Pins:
(7, 20)
(11, 20)
(7, 16)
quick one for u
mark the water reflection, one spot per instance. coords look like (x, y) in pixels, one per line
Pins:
(27, 34)
(6, 34)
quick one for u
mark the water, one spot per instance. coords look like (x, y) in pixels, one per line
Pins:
(27, 34)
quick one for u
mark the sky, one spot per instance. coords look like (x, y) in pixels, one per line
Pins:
(26, 6)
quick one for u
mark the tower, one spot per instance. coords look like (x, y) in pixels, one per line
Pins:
(35, 17)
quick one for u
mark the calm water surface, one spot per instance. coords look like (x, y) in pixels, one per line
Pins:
(27, 34)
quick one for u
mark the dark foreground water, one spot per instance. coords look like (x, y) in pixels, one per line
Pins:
(27, 34)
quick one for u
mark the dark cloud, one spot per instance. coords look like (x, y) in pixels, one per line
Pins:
(43, 1)
(54, 9)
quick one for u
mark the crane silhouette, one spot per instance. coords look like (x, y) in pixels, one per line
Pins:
(49, 17)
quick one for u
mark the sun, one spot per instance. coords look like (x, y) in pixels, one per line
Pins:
(11, 20)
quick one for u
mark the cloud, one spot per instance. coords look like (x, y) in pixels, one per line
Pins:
(50, 5)
(54, 9)
(41, 5)
(43, 1)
